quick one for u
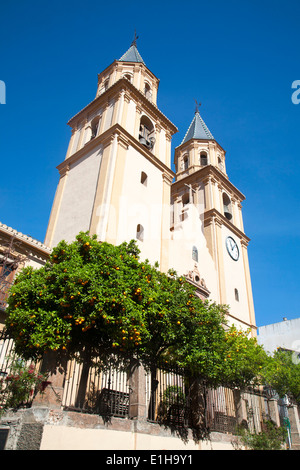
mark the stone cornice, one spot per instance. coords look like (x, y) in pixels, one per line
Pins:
(119, 63)
(111, 92)
(210, 171)
(193, 142)
(214, 215)
(125, 139)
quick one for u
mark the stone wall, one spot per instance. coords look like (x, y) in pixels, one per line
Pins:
(43, 428)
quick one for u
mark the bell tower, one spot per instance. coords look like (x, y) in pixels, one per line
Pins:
(116, 178)
(203, 194)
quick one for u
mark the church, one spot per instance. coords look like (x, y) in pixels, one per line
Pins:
(117, 182)
(120, 181)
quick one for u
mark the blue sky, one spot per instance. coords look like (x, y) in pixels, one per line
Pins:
(239, 59)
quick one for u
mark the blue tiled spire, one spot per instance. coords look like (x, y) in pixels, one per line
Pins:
(132, 55)
(197, 130)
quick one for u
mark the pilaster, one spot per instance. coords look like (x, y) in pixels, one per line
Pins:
(56, 206)
(53, 394)
(248, 286)
(137, 395)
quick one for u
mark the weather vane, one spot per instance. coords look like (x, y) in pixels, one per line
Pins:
(134, 39)
(197, 106)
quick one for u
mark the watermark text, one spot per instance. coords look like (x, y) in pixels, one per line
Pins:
(296, 94)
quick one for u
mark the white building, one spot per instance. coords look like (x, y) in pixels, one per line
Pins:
(284, 335)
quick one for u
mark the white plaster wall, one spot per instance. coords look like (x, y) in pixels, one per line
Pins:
(108, 115)
(150, 442)
(76, 140)
(162, 148)
(285, 334)
(130, 118)
(187, 234)
(78, 197)
(235, 279)
(141, 204)
(71, 438)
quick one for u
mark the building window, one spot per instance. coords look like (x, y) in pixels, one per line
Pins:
(128, 77)
(106, 84)
(203, 159)
(220, 164)
(146, 133)
(140, 232)
(147, 91)
(195, 254)
(185, 162)
(94, 127)
(227, 206)
(144, 178)
(236, 295)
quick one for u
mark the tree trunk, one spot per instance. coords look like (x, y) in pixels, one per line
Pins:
(152, 403)
(83, 382)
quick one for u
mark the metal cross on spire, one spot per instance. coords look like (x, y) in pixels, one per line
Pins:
(134, 39)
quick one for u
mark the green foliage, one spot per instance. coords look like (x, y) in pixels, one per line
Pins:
(282, 373)
(173, 394)
(18, 387)
(244, 359)
(96, 300)
(270, 438)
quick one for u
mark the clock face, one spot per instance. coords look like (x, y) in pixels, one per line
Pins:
(232, 248)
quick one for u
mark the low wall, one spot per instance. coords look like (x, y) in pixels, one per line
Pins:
(52, 429)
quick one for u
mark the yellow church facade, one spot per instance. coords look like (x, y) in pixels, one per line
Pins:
(117, 182)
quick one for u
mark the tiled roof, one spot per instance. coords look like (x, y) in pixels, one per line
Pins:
(26, 238)
(197, 130)
(132, 55)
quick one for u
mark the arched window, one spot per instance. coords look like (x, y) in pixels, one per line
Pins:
(146, 133)
(106, 84)
(185, 162)
(144, 178)
(127, 76)
(227, 206)
(140, 232)
(236, 295)
(203, 159)
(94, 126)
(220, 164)
(195, 254)
(147, 91)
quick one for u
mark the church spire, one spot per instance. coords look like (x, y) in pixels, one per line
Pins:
(197, 129)
(132, 54)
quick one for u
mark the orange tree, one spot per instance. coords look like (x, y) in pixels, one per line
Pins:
(98, 300)
(282, 373)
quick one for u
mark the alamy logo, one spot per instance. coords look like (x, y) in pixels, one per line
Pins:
(296, 94)
(2, 92)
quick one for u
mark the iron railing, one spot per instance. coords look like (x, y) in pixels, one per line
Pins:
(172, 397)
(6, 353)
(175, 399)
(8, 357)
(88, 389)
